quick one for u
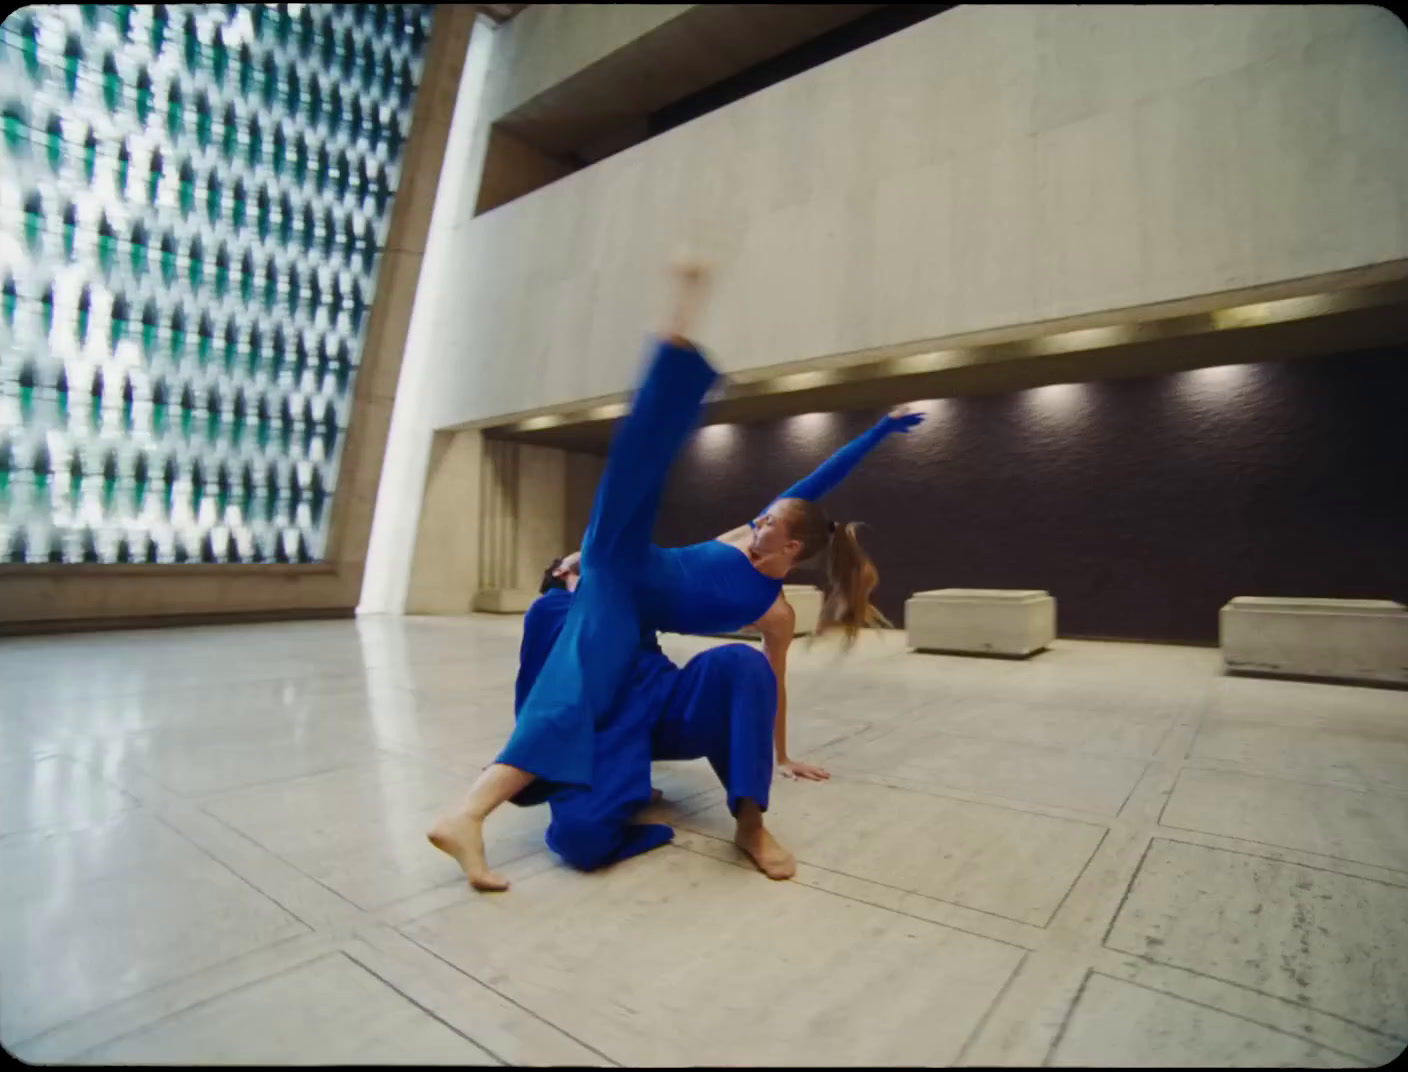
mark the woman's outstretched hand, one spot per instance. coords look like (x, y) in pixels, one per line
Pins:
(689, 269)
(691, 278)
(806, 771)
(902, 419)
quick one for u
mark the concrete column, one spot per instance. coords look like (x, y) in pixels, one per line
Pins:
(448, 556)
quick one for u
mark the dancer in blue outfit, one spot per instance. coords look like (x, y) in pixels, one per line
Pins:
(718, 707)
(630, 588)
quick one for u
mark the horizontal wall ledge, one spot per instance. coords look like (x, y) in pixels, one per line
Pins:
(166, 569)
(164, 621)
(1359, 309)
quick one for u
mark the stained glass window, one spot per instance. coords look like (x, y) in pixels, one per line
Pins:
(192, 202)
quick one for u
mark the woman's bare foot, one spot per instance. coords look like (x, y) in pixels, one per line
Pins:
(753, 838)
(462, 836)
(772, 859)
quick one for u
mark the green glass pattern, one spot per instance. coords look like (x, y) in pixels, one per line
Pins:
(199, 196)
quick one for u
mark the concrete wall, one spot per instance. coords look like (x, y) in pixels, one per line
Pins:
(448, 540)
(545, 44)
(988, 167)
(408, 462)
(1143, 505)
(493, 515)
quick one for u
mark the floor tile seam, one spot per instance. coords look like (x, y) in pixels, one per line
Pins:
(993, 1005)
(147, 991)
(1172, 789)
(469, 681)
(489, 739)
(411, 756)
(1198, 724)
(157, 813)
(200, 798)
(453, 708)
(219, 795)
(376, 911)
(124, 815)
(170, 825)
(1127, 711)
(1260, 993)
(33, 760)
(1151, 766)
(1140, 830)
(1280, 1030)
(1158, 835)
(432, 659)
(142, 797)
(54, 829)
(845, 737)
(1172, 728)
(1104, 837)
(1120, 850)
(166, 1017)
(680, 802)
(283, 860)
(1389, 685)
(195, 687)
(750, 867)
(230, 729)
(386, 915)
(505, 997)
(839, 765)
(1066, 1018)
(351, 956)
(1021, 807)
(988, 739)
(1217, 766)
(1352, 723)
(1129, 887)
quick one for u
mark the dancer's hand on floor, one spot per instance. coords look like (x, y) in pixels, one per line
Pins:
(805, 771)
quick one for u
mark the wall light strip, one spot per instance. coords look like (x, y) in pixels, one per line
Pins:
(1068, 342)
(754, 382)
(915, 364)
(535, 424)
(1275, 312)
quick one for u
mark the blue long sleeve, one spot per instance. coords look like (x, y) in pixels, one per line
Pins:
(837, 467)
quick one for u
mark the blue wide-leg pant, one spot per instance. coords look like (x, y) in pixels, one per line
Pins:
(720, 706)
(557, 720)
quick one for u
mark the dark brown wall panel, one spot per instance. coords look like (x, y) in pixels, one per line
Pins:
(1142, 505)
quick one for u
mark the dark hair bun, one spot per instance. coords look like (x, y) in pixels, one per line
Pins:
(550, 580)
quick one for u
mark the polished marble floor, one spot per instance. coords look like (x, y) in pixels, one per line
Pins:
(212, 851)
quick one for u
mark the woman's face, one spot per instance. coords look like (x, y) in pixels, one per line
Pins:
(772, 536)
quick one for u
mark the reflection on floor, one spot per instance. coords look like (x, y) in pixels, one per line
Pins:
(212, 851)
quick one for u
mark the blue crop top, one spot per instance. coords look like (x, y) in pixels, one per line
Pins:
(713, 587)
(709, 587)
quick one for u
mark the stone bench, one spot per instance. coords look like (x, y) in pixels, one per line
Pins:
(1362, 640)
(806, 601)
(980, 621)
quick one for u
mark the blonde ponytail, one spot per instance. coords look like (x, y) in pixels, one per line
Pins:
(850, 579)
